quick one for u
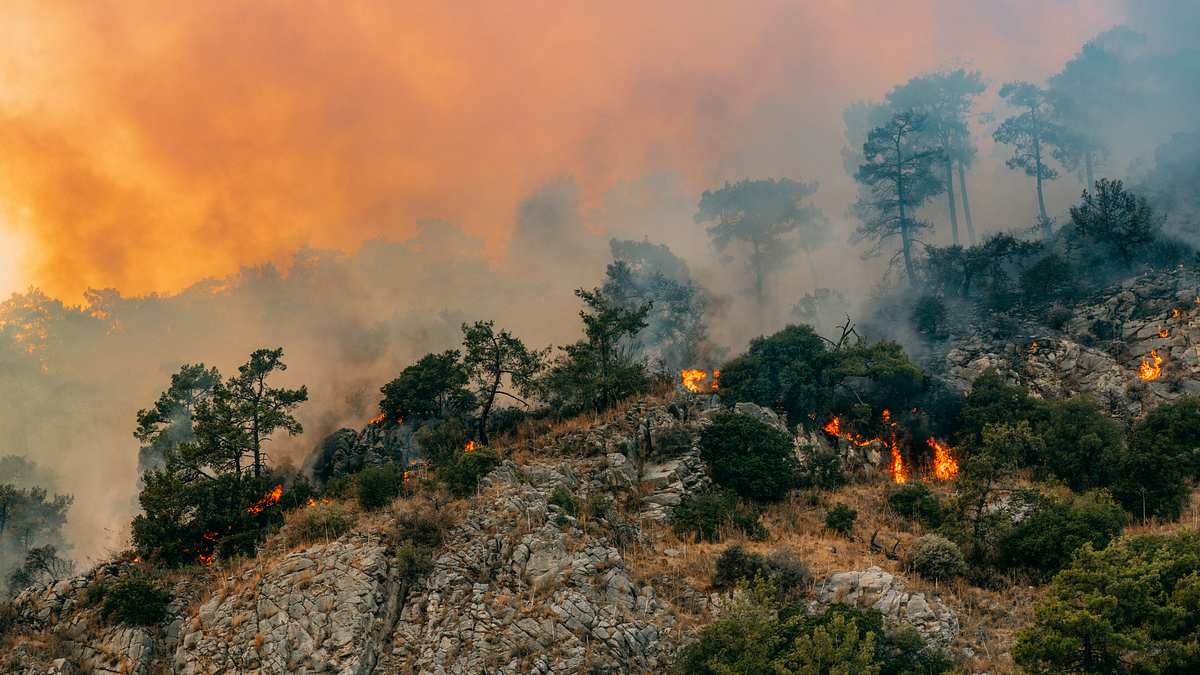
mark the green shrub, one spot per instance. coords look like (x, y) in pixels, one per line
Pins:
(135, 601)
(413, 561)
(749, 457)
(936, 558)
(841, 519)
(420, 528)
(735, 564)
(441, 440)
(379, 485)
(822, 468)
(8, 618)
(598, 506)
(785, 369)
(784, 572)
(1083, 445)
(462, 475)
(1045, 541)
(917, 502)
(563, 499)
(1164, 451)
(319, 522)
(929, 316)
(340, 487)
(704, 515)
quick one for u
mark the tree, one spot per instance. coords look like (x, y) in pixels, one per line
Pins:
(1083, 445)
(1033, 133)
(168, 422)
(1115, 218)
(766, 215)
(785, 371)
(945, 99)
(1045, 540)
(1163, 453)
(434, 386)
(597, 372)
(988, 466)
(261, 409)
(42, 563)
(489, 357)
(897, 178)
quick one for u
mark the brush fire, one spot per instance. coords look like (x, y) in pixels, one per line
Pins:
(269, 500)
(945, 466)
(1151, 368)
(471, 446)
(697, 381)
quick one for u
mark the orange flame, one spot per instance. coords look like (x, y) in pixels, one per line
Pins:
(897, 469)
(471, 446)
(378, 419)
(695, 380)
(716, 380)
(1162, 333)
(1033, 347)
(313, 502)
(1175, 311)
(1152, 369)
(271, 499)
(945, 467)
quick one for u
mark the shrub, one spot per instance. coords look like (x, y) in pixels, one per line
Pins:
(735, 564)
(929, 316)
(505, 420)
(749, 457)
(340, 487)
(916, 501)
(1045, 541)
(462, 475)
(841, 519)
(1164, 449)
(379, 485)
(704, 515)
(936, 558)
(135, 601)
(598, 506)
(441, 440)
(413, 561)
(8, 618)
(1128, 608)
(319, 522)
(822, 468)
(785, 369)
(563, 499)
(1083, 445)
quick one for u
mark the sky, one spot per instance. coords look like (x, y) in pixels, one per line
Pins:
(149, 145)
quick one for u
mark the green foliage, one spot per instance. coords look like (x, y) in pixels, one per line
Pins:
(1082, 444)
(1164, 451)
(993, 401)
(168, 423)
(489, 358)
(441, 440)
(705, 515)
(841, 519)
(821, 468)
(1050, 278)
(989, 465)
(785, 370)
(563, 499)
(787, 574)
(462, 475)
(30, 517)
(1133, 607)
(433, 387)
(749, 457)
(414, 538)
(1045, 541)
(1031, 132)
(929, 316)
(936, 558)
(915, 500)
(1121, 223)
(837, 648)
(135, 601)
(320, 522)
(379, 485)
(412, 561)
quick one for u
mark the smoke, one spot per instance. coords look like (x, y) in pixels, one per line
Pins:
(354, 183)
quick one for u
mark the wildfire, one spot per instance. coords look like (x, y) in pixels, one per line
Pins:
(207, 558)
(271, 499)
(471, 446)
(834, 428)
(897, 469)
(697, 381)
(945, 467)
(378, 419)
(1163, 332)
(1151, 369)
(313, 502)
(1176, 312)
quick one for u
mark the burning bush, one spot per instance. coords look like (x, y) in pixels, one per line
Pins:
(936, 558)
(750, 457)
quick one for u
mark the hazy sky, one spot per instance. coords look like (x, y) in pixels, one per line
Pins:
(146, 145)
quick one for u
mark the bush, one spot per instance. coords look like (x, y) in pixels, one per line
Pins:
(750, 457)
(1045, 541)
(916, 501)
(319, 522)
(413, 561)
(1164, 450)
(841, 519)
(785, 368)
(414, 537)
(1083, 445)
(379, 485)
(598, 506)
(8, 618)
(505, 420)
(936, 558)
(135, 601)
(462, 475)
(563, 499)
(704, 515)
(822, 468)
(1128, 608)
(929, 316)
(441, 440)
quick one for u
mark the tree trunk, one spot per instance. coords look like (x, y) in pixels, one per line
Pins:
(962, 188)
(906, 242)
(950, 201)
(1044, 221)
(491, 399)
(257, 450)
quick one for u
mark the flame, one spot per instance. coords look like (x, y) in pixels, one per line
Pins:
(271, 499)
(471, 446)
(897, 469)
(693, 379)
(716, 380)
(406, 478)
(834, 428)
(1152, 369)
(313, 502)
(207, 558)
(899, 473)
(378, 419)
(1175, 311)
(945, 467)
(1162, 333)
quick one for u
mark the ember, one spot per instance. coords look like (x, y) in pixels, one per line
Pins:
(271, 499)
(1151, 369)
(1175, 312)
(945, 467)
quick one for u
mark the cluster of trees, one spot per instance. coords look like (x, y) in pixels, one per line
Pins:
(31, 522)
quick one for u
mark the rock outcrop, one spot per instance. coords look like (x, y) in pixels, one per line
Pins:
(876, 589)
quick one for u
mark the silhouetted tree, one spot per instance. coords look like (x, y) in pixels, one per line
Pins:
(945, 99)
(1115, 218)
(434, 386)
(169, 422)
(767, 216)
(1033, 133)
(489, 356)
(263, 409)
(897, 178)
